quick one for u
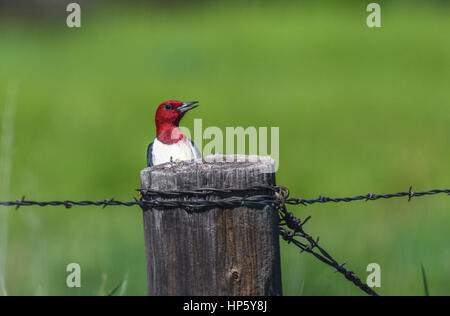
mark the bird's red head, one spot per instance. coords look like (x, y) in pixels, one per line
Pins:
(167, 119)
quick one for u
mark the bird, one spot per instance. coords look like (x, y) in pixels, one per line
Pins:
(170, 143)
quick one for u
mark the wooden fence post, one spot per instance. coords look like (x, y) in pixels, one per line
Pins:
(216, 251)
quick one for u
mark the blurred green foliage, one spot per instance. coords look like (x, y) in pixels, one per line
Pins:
(359, 110)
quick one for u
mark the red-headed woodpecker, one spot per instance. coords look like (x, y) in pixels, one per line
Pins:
(170, 144)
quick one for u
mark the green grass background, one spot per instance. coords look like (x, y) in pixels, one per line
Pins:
(360, 110)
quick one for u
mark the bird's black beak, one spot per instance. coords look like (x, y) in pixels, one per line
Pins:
(187, 106)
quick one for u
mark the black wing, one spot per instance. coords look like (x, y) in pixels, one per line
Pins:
(195, 152)
(150, 155)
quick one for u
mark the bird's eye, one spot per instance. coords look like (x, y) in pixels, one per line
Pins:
(168, 107)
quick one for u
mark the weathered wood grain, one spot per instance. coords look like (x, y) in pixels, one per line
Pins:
(217, 251)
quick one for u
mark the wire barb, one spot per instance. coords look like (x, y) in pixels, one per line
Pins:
(410, 194)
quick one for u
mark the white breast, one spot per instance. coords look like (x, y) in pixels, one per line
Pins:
(163, 153)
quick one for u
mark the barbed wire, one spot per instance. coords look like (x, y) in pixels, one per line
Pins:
(247, 198)
(292, 231)
(192, 205)
(368, 197)
(291, 228)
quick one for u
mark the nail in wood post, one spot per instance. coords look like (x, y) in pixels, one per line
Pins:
(217, 251)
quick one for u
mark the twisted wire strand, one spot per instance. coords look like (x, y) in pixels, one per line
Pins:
(150, 198)
(292, 231)
(368, 197)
